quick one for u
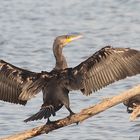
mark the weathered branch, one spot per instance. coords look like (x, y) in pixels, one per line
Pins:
(79, 117)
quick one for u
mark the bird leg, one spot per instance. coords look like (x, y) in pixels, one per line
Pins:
(49, 122)
(71, 113)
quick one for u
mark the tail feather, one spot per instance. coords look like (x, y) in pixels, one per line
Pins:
(45, 112)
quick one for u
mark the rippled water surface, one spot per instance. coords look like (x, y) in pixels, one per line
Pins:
(27, 31)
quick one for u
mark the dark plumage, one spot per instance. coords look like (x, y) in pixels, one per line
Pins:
(101, 69)
(131, 103)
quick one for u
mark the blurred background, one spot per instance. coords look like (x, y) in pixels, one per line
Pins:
(27, 32)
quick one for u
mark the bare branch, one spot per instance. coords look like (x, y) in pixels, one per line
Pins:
(79, 117)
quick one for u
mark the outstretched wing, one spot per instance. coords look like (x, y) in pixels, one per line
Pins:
(18, 85)
(103, 68)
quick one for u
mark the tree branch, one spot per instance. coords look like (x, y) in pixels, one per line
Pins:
(79, 117)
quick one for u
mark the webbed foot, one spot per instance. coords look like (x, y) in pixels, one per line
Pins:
(72, 113)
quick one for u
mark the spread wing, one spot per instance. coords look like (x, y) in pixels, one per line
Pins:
(103, 68)
(18, 85)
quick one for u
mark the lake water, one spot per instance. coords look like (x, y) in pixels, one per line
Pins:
(27, 31)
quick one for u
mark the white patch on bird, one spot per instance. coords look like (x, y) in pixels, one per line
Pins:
(75, 72)
(119, 51)
(100, 56)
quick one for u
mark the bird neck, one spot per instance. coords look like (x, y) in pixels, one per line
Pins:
(61, 62)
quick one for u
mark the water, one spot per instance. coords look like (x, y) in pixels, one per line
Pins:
(27, 31)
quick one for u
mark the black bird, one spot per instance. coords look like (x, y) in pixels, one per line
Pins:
(101, 69)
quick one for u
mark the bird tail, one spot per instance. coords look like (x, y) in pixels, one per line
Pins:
(44, 112)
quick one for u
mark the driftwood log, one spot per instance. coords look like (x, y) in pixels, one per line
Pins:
(79, 117)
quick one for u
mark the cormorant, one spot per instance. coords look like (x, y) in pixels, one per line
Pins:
(106, 66)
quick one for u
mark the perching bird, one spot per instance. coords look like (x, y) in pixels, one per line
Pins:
(101, 69)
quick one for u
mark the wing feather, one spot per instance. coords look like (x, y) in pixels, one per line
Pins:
(105, 67)
(18, 85)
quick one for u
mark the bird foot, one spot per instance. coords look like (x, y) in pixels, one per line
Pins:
(71, 114)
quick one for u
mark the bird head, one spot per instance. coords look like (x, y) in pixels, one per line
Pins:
(63, 40)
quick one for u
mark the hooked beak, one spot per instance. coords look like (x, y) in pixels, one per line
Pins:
(73, 37)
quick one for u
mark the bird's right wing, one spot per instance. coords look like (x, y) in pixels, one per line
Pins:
(18, 85)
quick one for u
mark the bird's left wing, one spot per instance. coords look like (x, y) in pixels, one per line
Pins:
(103, 68)
(18, 85)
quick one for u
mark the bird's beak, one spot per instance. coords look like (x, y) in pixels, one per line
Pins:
(73, 37)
